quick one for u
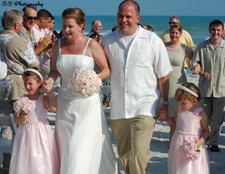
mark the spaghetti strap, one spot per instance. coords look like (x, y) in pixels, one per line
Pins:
(84, 51)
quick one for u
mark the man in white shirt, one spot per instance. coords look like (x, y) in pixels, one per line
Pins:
(42, 35)
(139, 67)
(40, 28)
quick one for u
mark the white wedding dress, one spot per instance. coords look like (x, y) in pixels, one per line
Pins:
(81, 129)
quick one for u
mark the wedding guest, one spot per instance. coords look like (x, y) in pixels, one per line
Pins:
(81, 130)
(17, 53)
(185, 37)
(208, 61)
(46, 56)
(178, 54)
(96, 27)
(95, 31)
(51, 24)
(41, 23)
(29, 18)
(43, 33)
(139, 80)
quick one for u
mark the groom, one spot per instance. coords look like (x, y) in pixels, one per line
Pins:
(139, 68)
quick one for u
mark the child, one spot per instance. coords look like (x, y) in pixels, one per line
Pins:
(34, 148)
(187, 153)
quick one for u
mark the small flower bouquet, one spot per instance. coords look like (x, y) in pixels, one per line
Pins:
(190, 150)
(22, 106)
(85, 82)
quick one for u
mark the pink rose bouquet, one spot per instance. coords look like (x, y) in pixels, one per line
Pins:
(190, 150)
(85, 82)
(22, 106)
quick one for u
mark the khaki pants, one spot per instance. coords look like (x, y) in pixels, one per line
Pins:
(133, 138)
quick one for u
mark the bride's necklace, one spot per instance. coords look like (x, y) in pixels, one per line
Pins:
(73, 47)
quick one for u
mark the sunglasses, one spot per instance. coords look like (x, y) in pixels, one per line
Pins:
(30, 17)
(172, 23)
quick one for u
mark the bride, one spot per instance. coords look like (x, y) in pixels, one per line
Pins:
(81, 130)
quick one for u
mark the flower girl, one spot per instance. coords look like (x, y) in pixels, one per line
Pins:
(187, 153)
(34, 148)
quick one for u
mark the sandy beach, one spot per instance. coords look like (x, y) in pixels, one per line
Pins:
(159, 152)
(159, 146)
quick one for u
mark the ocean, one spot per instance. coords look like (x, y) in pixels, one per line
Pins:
(197, 26)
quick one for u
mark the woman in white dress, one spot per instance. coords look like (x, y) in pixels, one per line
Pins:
(81, 130)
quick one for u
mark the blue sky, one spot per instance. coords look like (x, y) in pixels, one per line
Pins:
(109, 7)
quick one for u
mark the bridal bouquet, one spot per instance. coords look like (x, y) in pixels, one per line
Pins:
(85, 82)
(190, 150)
(22, 106)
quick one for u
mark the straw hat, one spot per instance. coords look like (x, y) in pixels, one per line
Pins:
(3, 70)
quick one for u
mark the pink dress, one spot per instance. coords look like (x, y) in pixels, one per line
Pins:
(34, 148)
(188, 129)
